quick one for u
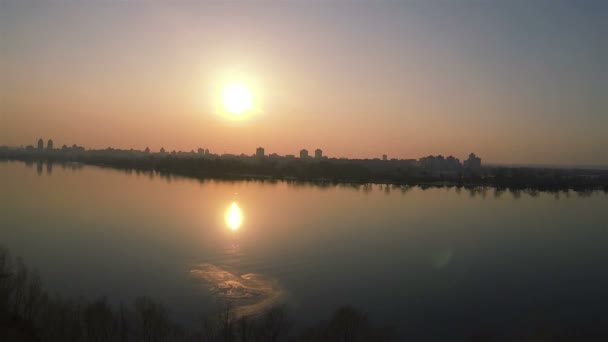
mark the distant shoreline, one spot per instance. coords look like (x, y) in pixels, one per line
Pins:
(323, 171)
(597, 167)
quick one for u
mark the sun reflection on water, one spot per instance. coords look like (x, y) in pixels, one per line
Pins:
(234, 216)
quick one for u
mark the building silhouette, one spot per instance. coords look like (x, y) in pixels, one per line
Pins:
(452, 163)
(384, 157)
(318, 153)
(49, 145)
(259, 152)
(40, 144)
(473, 163)
(303, 153)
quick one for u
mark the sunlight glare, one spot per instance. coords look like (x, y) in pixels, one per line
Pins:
(237, 99)
(234, 216)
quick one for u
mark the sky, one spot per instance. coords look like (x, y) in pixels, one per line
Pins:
(513, 81)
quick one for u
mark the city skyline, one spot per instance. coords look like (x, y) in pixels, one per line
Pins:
(261, 151)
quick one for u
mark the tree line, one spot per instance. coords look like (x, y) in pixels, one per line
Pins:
(404, 172)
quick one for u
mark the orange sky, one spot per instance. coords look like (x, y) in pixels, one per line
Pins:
(354, 80)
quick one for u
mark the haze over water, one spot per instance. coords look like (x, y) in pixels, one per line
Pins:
(413, 258)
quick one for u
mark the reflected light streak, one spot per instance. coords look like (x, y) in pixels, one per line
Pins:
(234, 216)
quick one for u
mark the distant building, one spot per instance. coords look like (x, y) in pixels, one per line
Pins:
(40, 144)
(201, 151)
(162, 150)
(384, 157)
(259, 152)
(290, 156)
(439, 165)
(452, 163)
(206, 151)
(303, 153)
(147, 150)
(49, 145)
(473, 163)
(318, 153)
(77, 148)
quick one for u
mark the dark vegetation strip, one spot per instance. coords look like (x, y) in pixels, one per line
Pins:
(332, 171)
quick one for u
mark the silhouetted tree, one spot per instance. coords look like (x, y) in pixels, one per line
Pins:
(99, 321)
(275, 325)
(152, 321)
(220, 327)
(348, 324)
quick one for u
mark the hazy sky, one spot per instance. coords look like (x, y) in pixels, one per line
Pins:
(514, 81)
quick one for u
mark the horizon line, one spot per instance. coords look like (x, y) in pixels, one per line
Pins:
(598, 166)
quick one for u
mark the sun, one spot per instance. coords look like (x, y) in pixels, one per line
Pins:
(237, 98)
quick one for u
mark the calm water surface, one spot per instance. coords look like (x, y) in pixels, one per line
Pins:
(433, 262)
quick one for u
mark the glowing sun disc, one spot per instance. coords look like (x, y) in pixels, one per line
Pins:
(237, 99)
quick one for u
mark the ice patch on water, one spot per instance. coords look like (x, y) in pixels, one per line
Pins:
(250, 294)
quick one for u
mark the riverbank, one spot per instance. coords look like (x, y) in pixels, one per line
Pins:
(326, 171)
